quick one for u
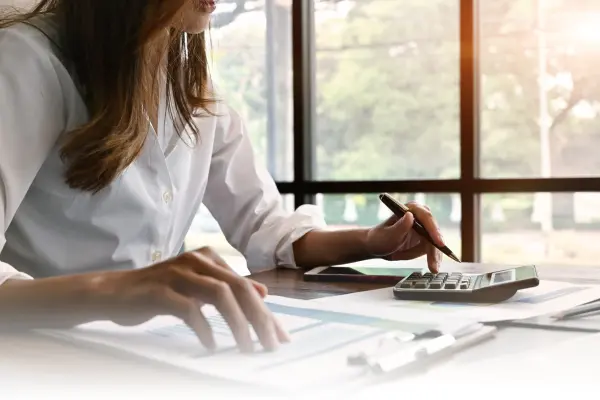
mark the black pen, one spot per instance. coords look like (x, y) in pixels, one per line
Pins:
(400, 210)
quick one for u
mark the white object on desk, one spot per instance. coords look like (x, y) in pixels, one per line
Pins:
(548, 297)
(572, 362)
(316, 358)
(414, 354)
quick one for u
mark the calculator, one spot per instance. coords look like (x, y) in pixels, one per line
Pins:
(492, 287)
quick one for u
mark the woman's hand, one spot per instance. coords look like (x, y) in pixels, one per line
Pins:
(395, 239)
(180, 287)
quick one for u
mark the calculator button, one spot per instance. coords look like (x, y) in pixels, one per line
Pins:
(456, 275)
(406, 285)
(414, 276)
(464, 285)
(428, 275)
(450, 285)
(442, 275)
(435, 285)
(421, 284)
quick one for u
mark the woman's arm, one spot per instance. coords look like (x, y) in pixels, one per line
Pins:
(245, 201)
(175, 287)
(32, 115)
(320, 248)
(61, 302)
(394, 239)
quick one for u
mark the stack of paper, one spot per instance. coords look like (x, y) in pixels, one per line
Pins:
(322, 340)
(547, 298)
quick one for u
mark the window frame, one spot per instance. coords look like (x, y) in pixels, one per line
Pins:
(470, 185)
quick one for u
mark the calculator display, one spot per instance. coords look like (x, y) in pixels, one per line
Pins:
(503, 277)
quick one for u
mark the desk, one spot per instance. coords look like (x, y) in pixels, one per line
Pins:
(289, 282)
(32, 360)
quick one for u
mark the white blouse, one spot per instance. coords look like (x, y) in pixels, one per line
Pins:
(48, 229)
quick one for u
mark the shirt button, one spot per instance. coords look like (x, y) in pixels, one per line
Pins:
(156, 256)
(167, 196)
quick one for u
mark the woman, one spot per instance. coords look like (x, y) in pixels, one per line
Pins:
(111, 136)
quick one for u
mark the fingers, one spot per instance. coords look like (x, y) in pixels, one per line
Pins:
(189, 311)
(434, 258)
(246, 298)
(219, 293)
(258, 314)
(282, 334)
(217, 259)
(423, 214)
(404, 224)
(390, 221)
(411, 253)
(214, 256)
(260, 288)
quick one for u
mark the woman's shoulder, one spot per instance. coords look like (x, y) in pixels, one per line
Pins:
(34, 40)
(32, 65)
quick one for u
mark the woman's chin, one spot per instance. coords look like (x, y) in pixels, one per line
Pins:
(198, 25)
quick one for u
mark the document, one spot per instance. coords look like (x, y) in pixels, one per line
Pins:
(548, 297)
(569, 362)
(322, 340)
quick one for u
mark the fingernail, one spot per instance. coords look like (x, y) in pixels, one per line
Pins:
(442, 241)
(287, 338)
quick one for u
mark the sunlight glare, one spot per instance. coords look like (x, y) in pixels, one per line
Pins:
(588, 29)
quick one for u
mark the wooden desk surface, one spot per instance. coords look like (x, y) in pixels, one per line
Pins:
(290, 283)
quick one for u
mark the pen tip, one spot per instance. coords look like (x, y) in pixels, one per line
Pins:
(452, 256)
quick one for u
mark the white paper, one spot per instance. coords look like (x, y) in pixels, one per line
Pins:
(570, 362)
(322, 339)
(547, 298)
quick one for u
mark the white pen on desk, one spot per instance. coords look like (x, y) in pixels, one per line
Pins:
(383, 345)
(578, 311)
(413, 351)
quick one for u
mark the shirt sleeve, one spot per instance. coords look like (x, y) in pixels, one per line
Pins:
(31, 120)
(245, 201)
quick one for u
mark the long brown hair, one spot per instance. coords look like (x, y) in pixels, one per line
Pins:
(112, 46)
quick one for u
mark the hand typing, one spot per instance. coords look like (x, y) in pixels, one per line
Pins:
(180, 287)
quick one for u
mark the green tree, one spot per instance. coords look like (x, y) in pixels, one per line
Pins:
(387, 80)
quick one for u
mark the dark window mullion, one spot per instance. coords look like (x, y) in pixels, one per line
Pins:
(517, 185)
(469, 127)
(303, 39)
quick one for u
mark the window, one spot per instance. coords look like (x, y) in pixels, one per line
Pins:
(488, 111)
(517, 228)
(494, 101)
(387, 90)
(252, 67)
(540, 88)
